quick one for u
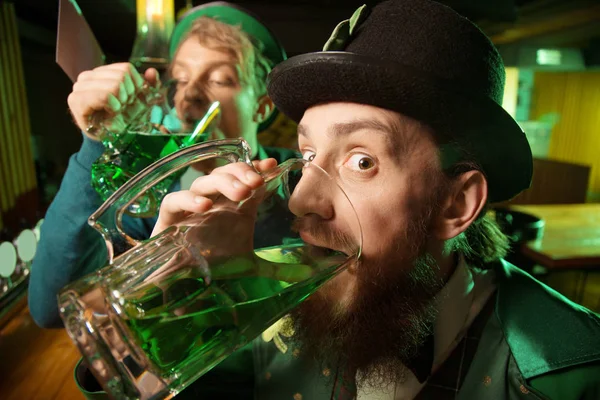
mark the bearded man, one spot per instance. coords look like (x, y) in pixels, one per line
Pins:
(403, 108)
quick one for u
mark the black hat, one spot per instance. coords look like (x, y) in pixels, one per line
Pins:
(422, 59)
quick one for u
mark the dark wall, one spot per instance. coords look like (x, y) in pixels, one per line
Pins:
(591, 53)
(54, 135)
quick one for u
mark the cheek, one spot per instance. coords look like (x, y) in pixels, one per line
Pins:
(383, 216)
(245, 103)
(237, 109)
(385, 227)
(178, 100)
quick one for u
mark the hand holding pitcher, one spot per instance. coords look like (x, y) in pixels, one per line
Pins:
(234, 181)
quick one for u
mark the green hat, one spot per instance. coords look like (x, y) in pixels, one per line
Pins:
(233, 14)
(230, 14)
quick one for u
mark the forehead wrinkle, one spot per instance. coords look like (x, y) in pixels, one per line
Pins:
(203, 65)
(348, 128)
(369, 124)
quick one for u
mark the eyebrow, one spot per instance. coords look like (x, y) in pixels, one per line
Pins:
(207, 67)
(391, 131)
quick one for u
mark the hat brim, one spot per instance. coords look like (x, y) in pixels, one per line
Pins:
(482, 128)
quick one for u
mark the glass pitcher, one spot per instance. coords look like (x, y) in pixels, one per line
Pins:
(168, 309)
(153, 131)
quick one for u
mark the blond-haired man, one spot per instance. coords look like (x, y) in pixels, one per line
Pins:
(219, 52)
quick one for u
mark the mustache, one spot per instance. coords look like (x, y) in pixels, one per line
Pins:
(193, 108)
(323, 235)
(193, 113)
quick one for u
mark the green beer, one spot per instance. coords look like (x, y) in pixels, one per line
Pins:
(187, 327)
(130, 150)
(136, 152)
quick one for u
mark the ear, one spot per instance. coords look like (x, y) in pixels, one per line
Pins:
(264, 109)
(465, 201)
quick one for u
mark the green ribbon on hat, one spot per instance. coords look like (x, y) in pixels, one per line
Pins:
(345, 29)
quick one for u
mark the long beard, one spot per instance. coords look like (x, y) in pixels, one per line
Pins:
(387, 320)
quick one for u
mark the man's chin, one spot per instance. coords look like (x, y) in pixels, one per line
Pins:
(371, 321)
(338, 294)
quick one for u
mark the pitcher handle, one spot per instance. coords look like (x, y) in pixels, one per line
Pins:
(108, 218)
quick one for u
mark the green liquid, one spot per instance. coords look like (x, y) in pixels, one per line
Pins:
(193, 324)
(130, 153)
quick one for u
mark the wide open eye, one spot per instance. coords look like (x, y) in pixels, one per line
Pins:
(309, 155)
(360, 162)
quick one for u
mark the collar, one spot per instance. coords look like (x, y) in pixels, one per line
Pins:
(458, 303)
(453, 303)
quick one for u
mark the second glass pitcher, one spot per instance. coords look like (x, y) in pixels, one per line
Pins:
(152, 131)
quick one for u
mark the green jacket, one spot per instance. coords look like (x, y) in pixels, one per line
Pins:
(534, 344)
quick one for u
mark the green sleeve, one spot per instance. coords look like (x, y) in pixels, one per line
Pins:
(69, 248)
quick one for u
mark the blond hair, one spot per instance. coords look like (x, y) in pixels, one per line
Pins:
(217, 35)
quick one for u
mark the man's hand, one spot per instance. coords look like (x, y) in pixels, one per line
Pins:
(234, 181)
(107, 89)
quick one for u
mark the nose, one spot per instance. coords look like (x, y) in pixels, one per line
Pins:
(314, 193)
(195, 92)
